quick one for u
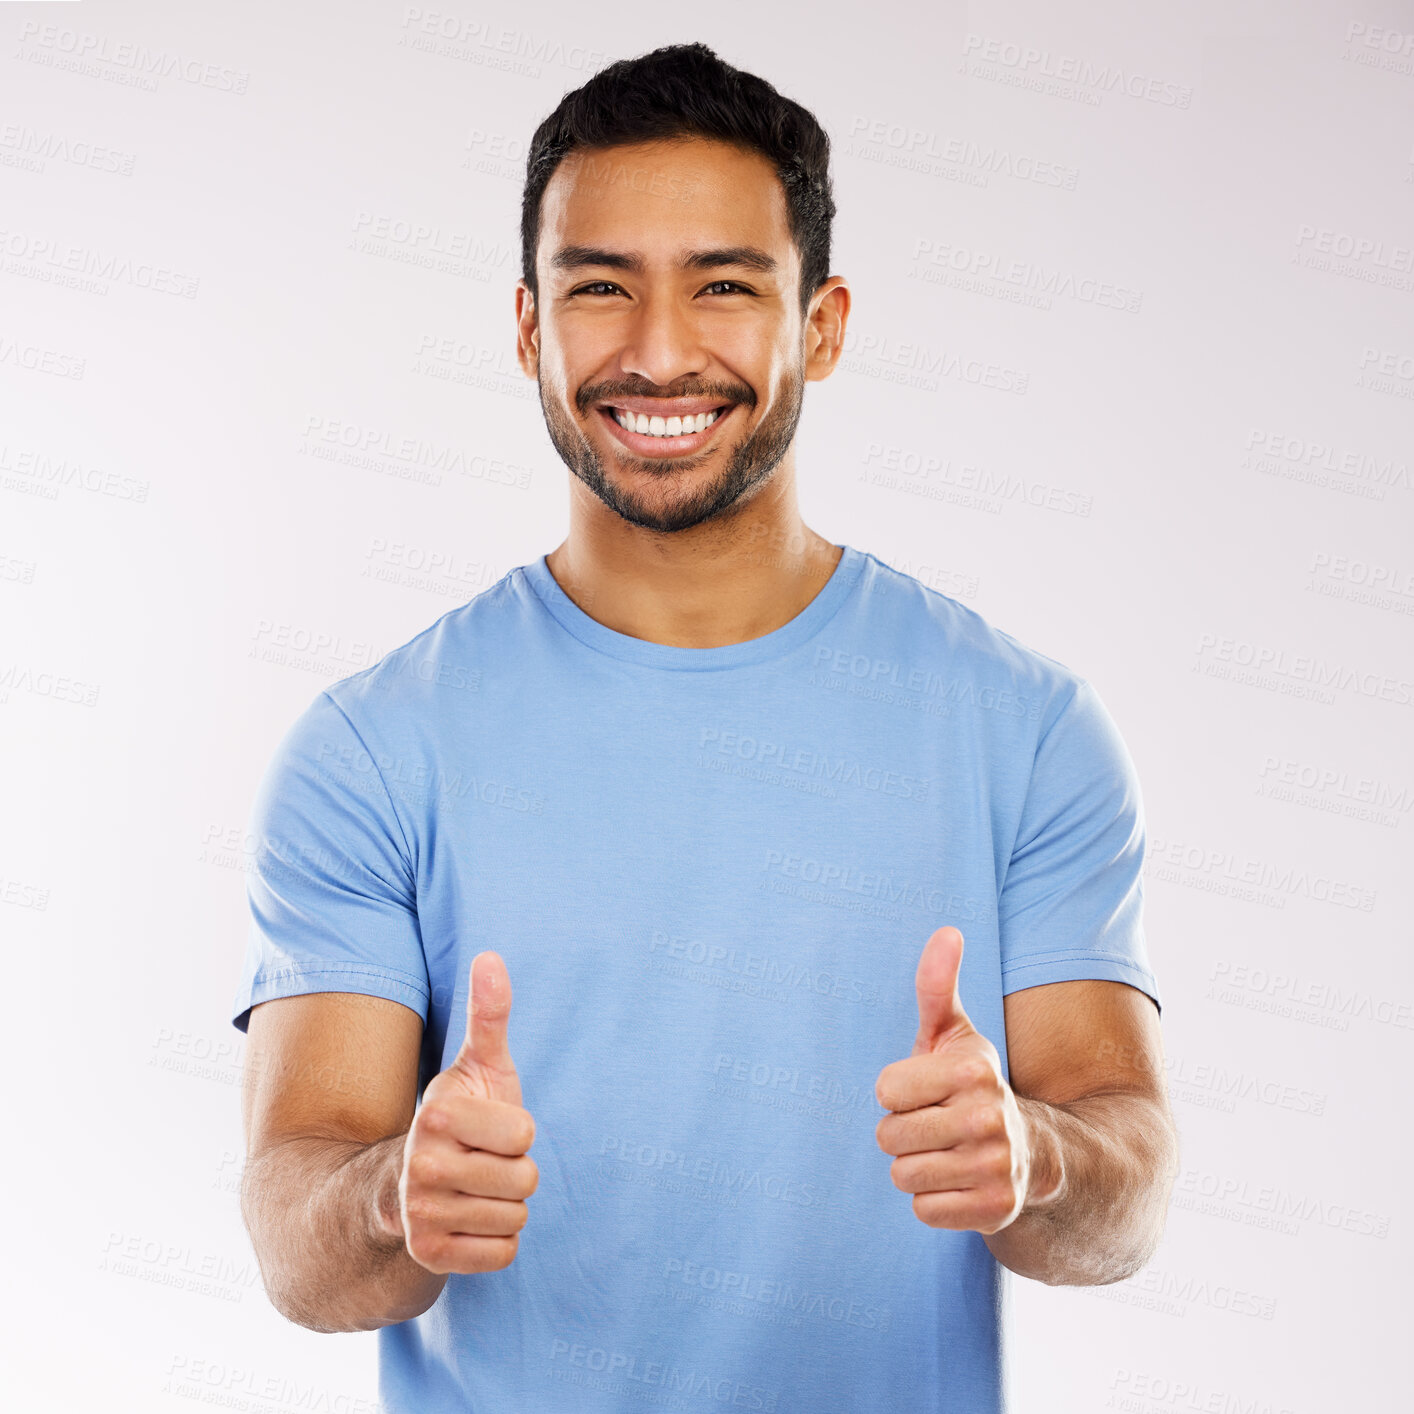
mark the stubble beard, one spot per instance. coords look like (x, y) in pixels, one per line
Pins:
(750, 464)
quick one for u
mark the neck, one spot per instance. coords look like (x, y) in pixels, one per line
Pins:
(730, 579)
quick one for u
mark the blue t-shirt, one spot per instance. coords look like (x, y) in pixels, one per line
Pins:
(711, 873)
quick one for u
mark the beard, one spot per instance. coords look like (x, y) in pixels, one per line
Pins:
(749, 464)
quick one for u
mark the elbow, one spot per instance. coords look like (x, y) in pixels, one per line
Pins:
(298, 1306)
(307, 1310)
(1149, 1202)
(1125, 1241)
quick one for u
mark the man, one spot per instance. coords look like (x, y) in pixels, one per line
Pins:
(821, 896)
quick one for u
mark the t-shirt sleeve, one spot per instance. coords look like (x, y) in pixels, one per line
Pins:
(332, 894)
(1072, 897)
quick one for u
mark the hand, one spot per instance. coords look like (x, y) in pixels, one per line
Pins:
(963, 1145)
(465, 1171)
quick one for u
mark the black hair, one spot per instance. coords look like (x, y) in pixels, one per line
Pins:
(685, 90)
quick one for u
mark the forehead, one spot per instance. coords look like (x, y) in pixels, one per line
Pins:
(662, 197)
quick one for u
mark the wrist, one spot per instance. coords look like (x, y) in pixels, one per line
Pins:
(387, 1210)
(1046, 1177)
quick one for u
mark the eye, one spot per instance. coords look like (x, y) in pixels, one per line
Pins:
(595, 286)
(735, 287)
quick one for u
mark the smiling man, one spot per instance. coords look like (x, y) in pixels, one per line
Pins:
(821, 896)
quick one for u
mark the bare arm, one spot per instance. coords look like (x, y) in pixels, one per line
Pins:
(330, 1091)
(1064, 1165)
(1085, 1061)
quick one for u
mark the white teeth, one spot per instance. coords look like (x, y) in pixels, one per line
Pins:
(664, 426)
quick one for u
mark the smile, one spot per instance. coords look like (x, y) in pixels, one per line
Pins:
(655, 436)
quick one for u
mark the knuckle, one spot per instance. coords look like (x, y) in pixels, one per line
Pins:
(928, 1211)
(423, 1210)
(998, 1211)
(427, 1252)
(886, 1086)
(998, 1159)
(525, 1131)
(989, 1130)
(424, 1170)
(971, 1124)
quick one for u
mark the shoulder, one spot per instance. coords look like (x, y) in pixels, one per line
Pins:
(982, 662)
(443, 662)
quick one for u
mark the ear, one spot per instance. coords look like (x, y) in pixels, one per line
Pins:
(825, 322)
(527, 331)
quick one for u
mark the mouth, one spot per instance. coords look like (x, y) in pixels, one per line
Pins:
(653, 435)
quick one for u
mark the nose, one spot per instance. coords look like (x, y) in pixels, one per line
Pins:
(663, 342)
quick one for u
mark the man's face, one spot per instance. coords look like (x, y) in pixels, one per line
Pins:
(669, 291)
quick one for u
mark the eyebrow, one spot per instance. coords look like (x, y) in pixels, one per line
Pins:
(571, 257)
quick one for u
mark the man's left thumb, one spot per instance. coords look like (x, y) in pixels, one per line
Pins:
(940, 1013)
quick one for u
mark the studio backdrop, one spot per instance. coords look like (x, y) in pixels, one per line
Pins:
(1129, 370)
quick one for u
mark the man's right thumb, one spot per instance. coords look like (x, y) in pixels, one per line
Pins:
(485, 1054)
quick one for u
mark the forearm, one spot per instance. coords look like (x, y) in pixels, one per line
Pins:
(312, 1208)
(1103, 1168)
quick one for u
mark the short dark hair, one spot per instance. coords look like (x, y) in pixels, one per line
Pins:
(685, 90)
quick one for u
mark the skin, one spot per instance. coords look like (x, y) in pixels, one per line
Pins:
(708, 549)
(359, 1202)
(1066, 1168)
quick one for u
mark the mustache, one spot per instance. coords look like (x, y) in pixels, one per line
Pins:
(593, 393)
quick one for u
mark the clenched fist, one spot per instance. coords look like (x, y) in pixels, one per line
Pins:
(962, 1144)
(466, 1173)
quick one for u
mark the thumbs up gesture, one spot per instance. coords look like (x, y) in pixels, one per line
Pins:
(466, 1173)
(962, 1144)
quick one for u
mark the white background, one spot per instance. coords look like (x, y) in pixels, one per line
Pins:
(223, 399)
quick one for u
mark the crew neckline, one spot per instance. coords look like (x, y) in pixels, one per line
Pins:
(791, 634)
